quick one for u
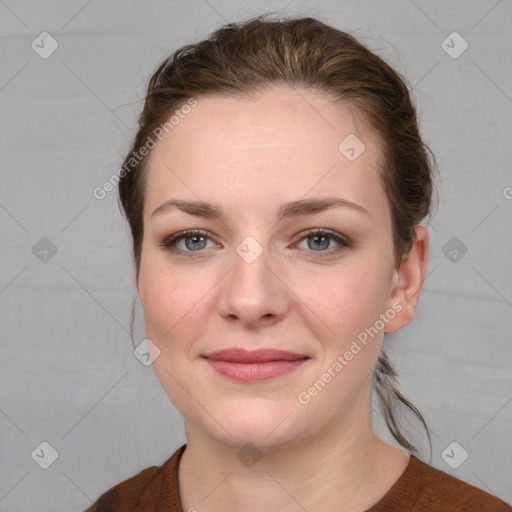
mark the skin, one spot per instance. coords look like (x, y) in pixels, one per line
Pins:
(250, 156)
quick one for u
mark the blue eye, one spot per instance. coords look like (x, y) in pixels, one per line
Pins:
(196, 240)
(321, 239)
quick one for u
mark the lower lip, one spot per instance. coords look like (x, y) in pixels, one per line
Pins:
(248, 372)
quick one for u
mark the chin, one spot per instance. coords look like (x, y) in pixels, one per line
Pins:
(263, 426)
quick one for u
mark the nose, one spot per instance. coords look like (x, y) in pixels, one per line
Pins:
(254, 291)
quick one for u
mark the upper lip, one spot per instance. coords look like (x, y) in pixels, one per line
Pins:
(240, 355)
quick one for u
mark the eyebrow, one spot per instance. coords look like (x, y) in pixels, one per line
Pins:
(291, 209)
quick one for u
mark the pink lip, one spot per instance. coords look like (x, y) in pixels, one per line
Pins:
(259, 365)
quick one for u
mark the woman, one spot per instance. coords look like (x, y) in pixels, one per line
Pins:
(275, 192)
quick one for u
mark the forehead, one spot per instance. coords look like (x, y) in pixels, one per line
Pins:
(275, 145)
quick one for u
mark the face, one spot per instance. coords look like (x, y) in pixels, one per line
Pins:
(255, 279)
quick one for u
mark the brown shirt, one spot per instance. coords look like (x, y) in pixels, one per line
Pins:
(420, 488)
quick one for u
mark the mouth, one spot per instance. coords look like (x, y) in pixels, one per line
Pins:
(239, 355)
(259, 365)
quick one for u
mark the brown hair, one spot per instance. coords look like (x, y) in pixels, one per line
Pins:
(246, 57)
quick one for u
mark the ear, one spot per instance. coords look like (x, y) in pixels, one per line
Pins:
(407, 282)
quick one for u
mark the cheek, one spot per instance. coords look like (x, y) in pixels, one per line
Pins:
(158, 293)
(350, 305)
(350, 298)
(172, 301)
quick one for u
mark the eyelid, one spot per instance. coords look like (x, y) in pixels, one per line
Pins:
(343, 243)
(339, 237)
(171, 240)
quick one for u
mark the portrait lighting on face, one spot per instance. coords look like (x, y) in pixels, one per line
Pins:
(276, 192)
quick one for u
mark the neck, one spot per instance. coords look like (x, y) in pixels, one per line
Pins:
(343, 465)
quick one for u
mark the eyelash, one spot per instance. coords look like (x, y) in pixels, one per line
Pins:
(170, 242)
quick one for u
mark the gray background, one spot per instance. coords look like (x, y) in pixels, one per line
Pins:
(68, 373)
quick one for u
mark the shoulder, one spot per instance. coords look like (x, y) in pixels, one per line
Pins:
(141, 492)
(125, 495)
(425, 488)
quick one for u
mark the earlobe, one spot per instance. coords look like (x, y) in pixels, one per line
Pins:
(408, 282)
